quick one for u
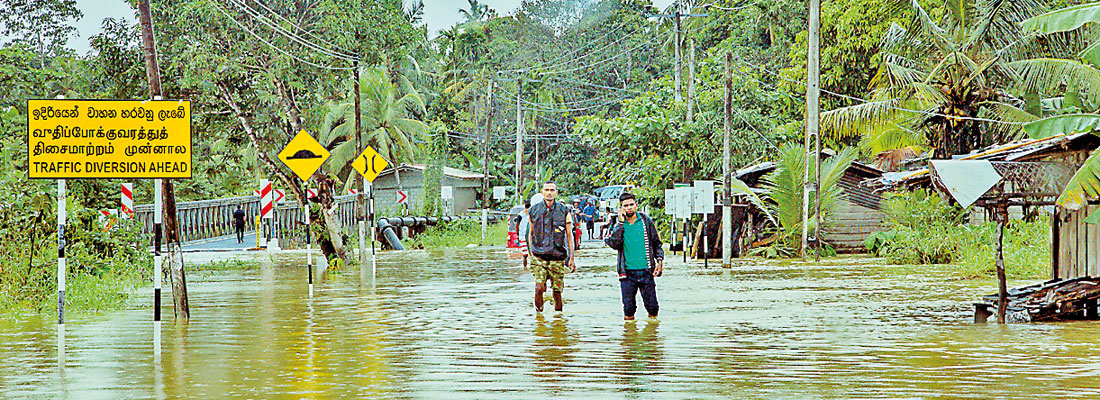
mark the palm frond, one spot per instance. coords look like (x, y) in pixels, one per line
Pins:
(852, 121)
(1006, 112)
(1065, 19)
(1084, 185)
(1047, 74)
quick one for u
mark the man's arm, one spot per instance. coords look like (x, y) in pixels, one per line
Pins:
(615, 239)
(655, 241)
(572, 244)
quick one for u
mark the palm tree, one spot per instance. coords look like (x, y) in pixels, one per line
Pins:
(1081, 77)
(477, 11)
(938, 80)
(785, 188)
(390, 124)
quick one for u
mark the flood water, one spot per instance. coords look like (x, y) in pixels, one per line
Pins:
(460, 324)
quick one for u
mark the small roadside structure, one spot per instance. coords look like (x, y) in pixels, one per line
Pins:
(466, 186)
(857, 215)
(1028, 174)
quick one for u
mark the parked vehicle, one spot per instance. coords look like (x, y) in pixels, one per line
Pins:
(609, 197)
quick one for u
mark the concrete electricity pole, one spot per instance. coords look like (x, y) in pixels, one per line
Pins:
(485, 146)
(360, 196)
(727, 175)
(813, 114)
(677, 15)
(519, 143)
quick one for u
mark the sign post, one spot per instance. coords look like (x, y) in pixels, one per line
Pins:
(370, 164)
(304, 156)
(131, 139)
(670, 210)
(703, 203)
(265, 211)
(683, 212)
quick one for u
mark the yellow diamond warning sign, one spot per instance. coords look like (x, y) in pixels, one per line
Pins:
(370, 164)
(303, 155)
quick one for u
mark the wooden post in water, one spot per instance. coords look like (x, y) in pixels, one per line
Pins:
(1002, 296)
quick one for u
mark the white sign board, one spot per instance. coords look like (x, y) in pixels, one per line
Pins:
(500, 193)
(448, 192)
(683, 202)
(670, 202)
(703, 197)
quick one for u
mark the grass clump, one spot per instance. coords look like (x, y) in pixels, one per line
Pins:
(925, 229)
(458, 234)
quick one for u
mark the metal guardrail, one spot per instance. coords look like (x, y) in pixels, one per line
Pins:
(206, 219)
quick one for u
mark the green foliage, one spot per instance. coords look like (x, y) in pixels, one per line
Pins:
(785, 191)
(458, 234)
(925, 229)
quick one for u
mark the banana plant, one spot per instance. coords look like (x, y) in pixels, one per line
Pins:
(1082, 74)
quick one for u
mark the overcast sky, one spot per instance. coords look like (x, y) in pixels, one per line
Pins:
(438, 14)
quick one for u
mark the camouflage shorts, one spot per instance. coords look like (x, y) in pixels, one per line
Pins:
(552, 270)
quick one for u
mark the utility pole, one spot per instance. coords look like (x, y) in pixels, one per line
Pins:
(813, 114)
(678, 57)
(485, 146)
(677, 15)
(691, 81)
(727, 181)
(171, 222)
(360, 198)
(519, 142)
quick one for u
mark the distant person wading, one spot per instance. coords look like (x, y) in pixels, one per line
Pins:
(550, 240)
(641, 257)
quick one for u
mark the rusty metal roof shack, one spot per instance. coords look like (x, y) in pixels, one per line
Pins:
(1028, 176)
(857, 215)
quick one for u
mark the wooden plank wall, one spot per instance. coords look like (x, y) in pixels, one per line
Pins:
(852, 223)
(1078, 252)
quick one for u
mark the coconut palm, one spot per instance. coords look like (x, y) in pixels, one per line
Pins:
(938, 79)
(785, 188)
(477, 11)
(390, 125)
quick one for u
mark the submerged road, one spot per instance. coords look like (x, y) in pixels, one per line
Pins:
(459, 324)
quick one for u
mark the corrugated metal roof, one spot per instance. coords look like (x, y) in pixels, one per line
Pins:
(447, 171)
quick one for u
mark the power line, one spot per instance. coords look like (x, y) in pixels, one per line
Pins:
(276, 48)
(290, 35)
(307, 32)
(929, 113)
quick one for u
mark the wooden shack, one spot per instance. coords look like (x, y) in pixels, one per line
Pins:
(857, 215)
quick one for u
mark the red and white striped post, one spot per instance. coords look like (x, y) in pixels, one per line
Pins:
(265, 208)
(126, 206)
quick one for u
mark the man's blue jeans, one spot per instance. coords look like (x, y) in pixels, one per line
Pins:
(638, 280)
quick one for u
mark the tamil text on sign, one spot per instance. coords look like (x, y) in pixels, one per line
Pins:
(109, 139)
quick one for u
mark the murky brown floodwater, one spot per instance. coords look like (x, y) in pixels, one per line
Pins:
(459, 324)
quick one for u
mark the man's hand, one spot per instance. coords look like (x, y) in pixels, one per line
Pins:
(572, 265)
(660, 269)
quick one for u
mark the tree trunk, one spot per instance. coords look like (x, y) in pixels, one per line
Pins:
(174, 256)
(171, 222)
(332, 244)
(329, 248)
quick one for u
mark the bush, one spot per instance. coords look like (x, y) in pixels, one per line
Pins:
(103, 267)
(458, 234)
(925, 229)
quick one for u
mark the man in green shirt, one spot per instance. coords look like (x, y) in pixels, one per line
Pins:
(641, 257)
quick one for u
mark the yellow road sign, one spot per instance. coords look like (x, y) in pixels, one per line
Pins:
(303, 155)
(77, 139)
(370, 164)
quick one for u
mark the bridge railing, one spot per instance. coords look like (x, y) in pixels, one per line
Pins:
(206, 219)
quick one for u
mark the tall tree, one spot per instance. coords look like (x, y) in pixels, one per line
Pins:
(44, 23)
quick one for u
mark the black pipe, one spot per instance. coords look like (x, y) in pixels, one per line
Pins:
(387, 227)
